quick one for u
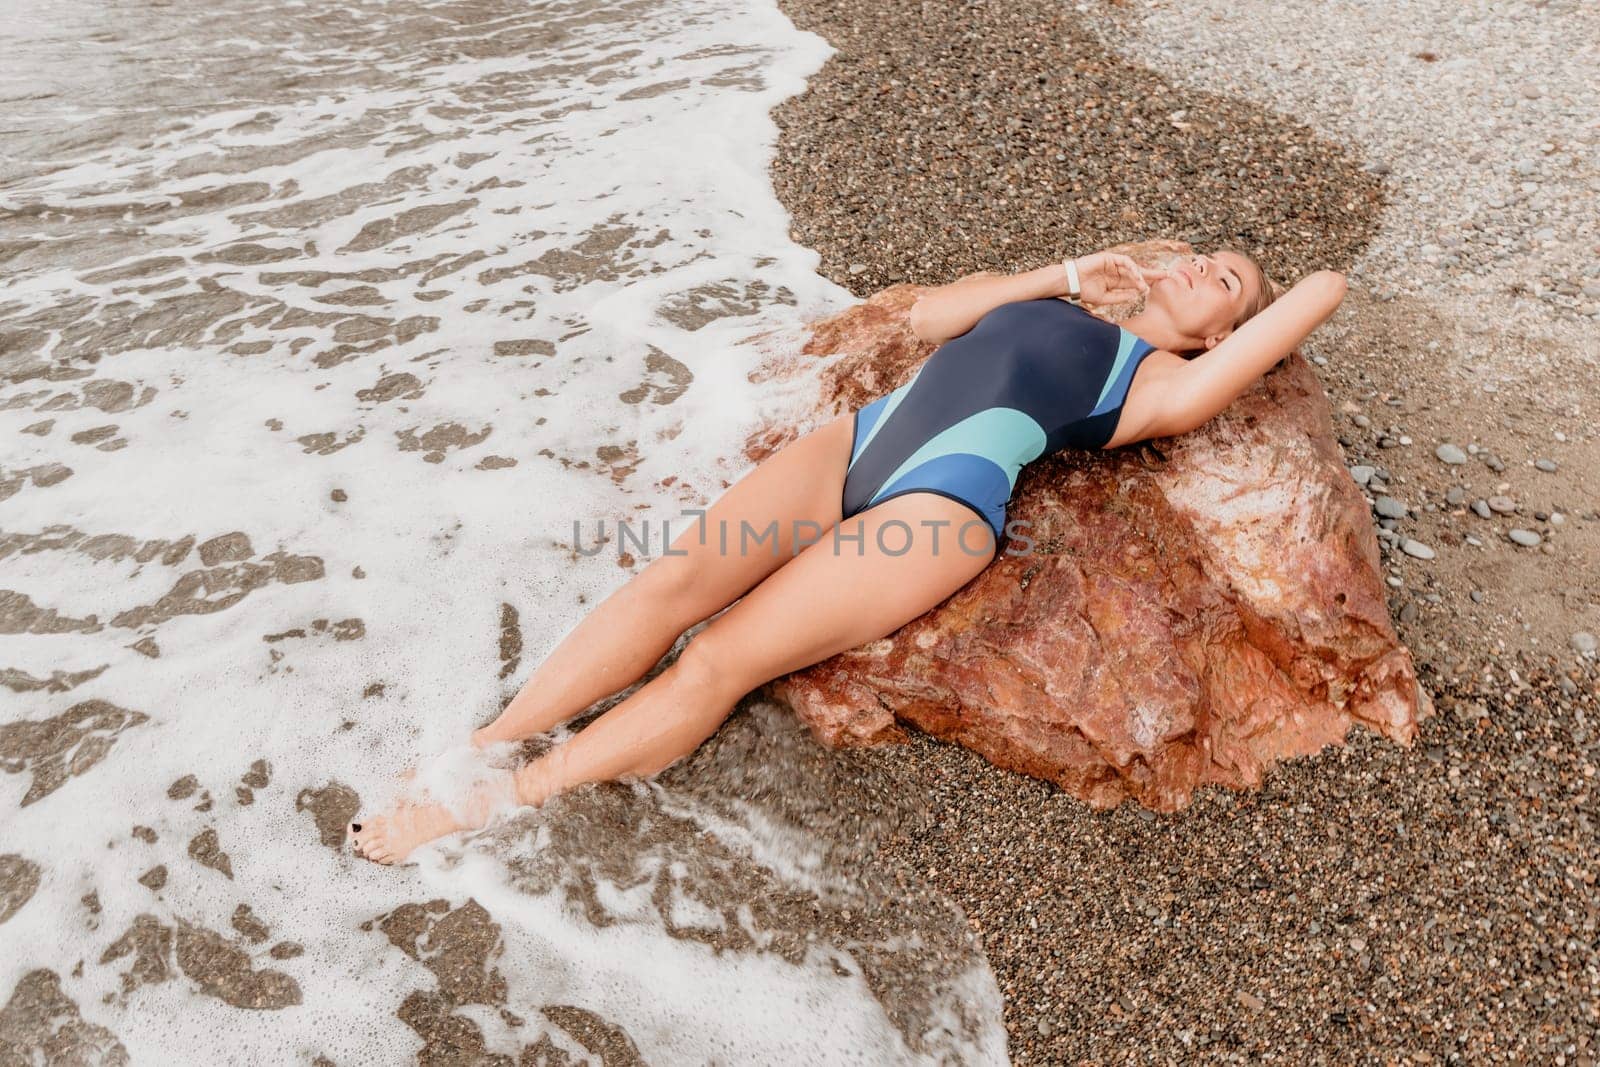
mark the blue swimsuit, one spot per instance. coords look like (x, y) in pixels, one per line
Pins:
(1030, 378)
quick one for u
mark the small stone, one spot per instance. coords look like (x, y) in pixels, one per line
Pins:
(1361, 474)
(1251, 1001)
(1583, 642)
(1449, 453)
(1389, 507)
(1546, 465)
(1416, 549)
(1525, 538)
(1503, 504)
(857, 268)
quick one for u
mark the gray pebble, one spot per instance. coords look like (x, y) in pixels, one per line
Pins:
(1526, 538)
(1455, 495)
(1547, 465)
(1503, 504)
(1584, 642)
(1480, 508)
(1416, 548)
(1389, 507)
(1449, 453)
(1361, 473)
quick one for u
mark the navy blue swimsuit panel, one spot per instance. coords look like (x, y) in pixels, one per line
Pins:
(1030, 378)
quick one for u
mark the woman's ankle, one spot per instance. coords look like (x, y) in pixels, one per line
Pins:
(530, 783)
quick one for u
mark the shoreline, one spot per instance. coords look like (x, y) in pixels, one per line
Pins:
(1348, 908)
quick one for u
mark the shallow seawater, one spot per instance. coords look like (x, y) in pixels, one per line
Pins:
(321, 326)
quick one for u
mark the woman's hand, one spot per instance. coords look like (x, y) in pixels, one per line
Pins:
(1112, 278)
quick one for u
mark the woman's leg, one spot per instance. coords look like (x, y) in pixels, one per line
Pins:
(824, 601)
(629, 631)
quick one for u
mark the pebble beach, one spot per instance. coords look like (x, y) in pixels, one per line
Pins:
(1372, 903)
(324, 329)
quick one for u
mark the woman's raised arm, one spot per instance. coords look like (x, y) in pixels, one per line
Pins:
(1209, 382)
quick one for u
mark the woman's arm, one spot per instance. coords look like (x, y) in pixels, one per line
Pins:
(951, 310)
(1209, 382)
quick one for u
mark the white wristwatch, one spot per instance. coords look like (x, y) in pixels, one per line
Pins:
(1073, 290)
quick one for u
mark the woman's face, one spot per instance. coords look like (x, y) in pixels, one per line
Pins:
(1204, 296)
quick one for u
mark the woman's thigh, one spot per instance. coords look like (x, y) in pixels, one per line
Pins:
(838, 596)
(750, 530)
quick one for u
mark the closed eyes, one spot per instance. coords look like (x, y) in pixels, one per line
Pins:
(1226, 273)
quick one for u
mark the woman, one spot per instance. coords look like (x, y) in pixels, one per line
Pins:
(1024, 372)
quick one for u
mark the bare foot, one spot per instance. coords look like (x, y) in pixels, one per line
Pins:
(391, 838)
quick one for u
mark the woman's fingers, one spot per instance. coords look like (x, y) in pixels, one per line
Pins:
(1133, 274)
(1121, 277)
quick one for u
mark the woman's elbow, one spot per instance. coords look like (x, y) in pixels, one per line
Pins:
(918, 318)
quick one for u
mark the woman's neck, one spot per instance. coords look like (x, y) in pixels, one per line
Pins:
(1155, 326)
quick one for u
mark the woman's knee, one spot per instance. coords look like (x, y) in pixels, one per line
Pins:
(711, 662)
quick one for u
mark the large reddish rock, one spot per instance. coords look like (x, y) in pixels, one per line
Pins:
(1191, 610)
